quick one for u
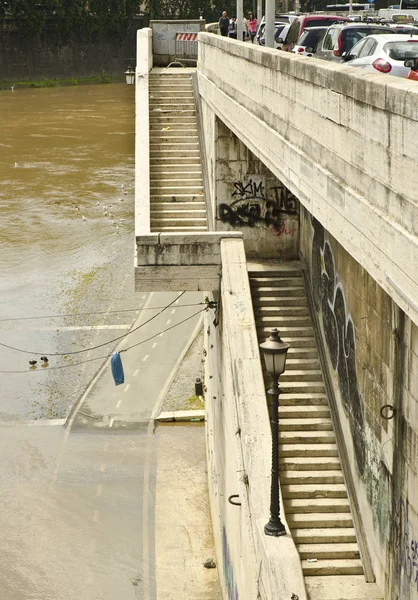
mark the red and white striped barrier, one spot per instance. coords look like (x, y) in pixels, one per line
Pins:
(186, 37)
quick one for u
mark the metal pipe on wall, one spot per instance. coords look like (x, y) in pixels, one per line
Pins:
(269, 31)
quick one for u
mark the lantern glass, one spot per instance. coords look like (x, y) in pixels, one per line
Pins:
(130, 76)
(275, 353)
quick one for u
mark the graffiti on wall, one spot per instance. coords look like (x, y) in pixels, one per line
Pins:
(228, 569)
(251, 205)
(339, 333)
(406, 549)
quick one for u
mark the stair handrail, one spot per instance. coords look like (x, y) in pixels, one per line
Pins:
(341, 446)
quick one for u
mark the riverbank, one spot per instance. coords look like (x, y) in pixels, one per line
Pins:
(45, 82)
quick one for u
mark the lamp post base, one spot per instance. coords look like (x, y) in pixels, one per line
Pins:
(275, 528)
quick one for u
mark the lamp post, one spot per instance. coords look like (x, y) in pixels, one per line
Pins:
(130, 75)
(274, 352)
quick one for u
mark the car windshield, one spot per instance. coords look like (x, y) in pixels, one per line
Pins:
(310, 37)
(353, 35)
(402, 50)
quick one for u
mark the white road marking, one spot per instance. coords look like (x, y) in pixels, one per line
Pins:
(145, 358)
(128, 385)
(111, 421)
(161, 334)
(177, 301)
(99, 489)
(154, 344)
(173, 311)
(95, 516)
(168, 322)
(136, 372)
(102, 468)
(106, 446)
(118, 403)
(78, 328)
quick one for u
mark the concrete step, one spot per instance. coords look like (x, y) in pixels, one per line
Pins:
(287, 450)
(300, 436)
(303, 352)
(341, 587)
(162, 169)
(176, 197)
(338, 535)
(303, 331)
(336, 551)
(158, 91)
(276, 292)
(158, 129)
(349, 566)
(172, 184)
(313, 490)
(311, 477)
(156, 119)
(294, 342)
(171, 112)
(296, 364)
(192, 205)
(298, 302)
(169, 138)
(309, 463)
(167, 162)
(176, 154)
(301, 375)
(282, 310)
(319, 411)
(303, 399)
(177, 176)
(156, 98)
(311, 424)
(305, 387)
(175, 190)
(157, 215)
(317, 505)
(275, 282)
(163, 222)
(279, 321)
(175, 145)
(319, 520)
(180, 229)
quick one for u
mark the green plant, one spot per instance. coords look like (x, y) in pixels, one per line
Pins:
(104, 77)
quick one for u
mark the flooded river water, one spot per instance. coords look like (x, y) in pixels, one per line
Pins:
(65, 155)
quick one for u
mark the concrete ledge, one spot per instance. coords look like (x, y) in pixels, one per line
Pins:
(181, 415)
(177, 278)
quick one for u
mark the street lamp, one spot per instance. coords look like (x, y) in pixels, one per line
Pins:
(130, 75)
(274, 352)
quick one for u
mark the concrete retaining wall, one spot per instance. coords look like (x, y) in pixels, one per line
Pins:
(343, 141)
(164, 37)
(239, 448)
(372, 354)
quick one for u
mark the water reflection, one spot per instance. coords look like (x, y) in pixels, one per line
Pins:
(64, 153)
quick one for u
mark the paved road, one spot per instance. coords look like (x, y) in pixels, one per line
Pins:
(79, 503)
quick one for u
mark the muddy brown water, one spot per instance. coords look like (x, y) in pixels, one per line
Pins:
(65, 153)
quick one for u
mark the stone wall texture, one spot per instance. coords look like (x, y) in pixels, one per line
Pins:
(372, 353)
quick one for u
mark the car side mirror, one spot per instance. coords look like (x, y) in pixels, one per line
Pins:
(345, 57)
(309, 49)
(280, 40)
(411, 63)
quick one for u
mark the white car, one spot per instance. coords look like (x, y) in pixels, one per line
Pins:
(383, 53)
(309, 40)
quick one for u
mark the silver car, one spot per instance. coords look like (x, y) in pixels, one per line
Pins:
(383, 53)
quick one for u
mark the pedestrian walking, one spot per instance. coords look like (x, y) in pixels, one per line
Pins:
(224, 24)
(252, 27)
(232, 31)
(245, 33)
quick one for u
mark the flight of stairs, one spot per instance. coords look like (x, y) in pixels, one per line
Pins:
(177, 202)
(311, 479)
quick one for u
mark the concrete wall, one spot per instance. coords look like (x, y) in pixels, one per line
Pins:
(144, 63)
(245, 196)
(372, 353)
(343, 141)
(239, 448)
(164, 38)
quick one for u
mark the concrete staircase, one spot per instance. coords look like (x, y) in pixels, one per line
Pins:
(177, 202)
(314, 493)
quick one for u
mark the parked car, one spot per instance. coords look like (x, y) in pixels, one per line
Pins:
(412, 63)
(309, 40)
(383, 53)
(341, 37)
(280, 29)
(304, 22)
